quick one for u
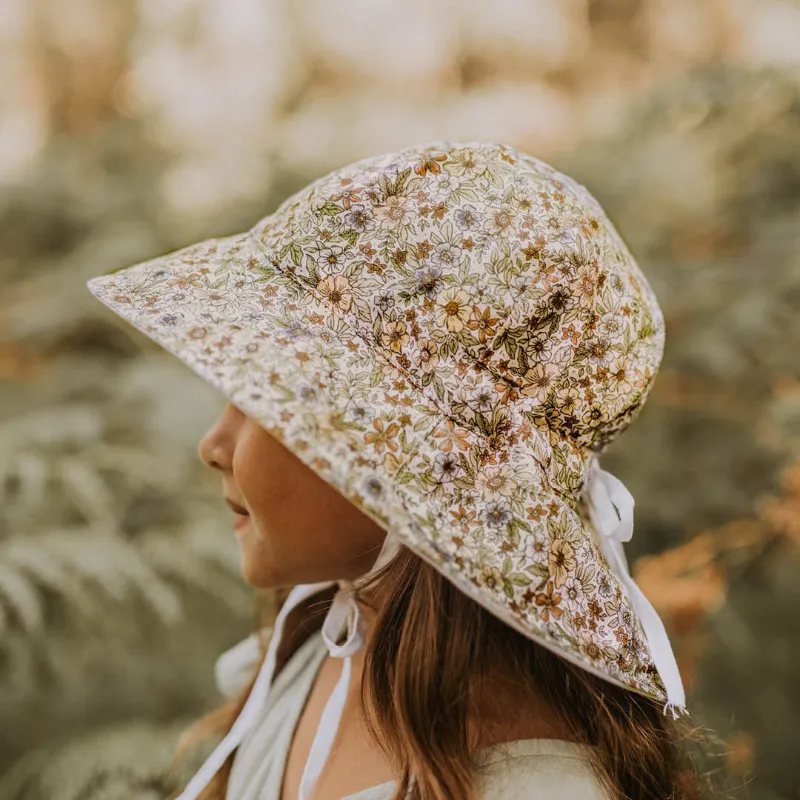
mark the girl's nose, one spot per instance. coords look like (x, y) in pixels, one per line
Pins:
(216, 447)
(212, 453)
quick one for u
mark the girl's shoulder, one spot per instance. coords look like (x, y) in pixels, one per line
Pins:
(525, 769)
(538, 768)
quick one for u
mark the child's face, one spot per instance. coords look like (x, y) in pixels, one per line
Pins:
(298, 529)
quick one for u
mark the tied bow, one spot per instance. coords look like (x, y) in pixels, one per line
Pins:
(610, 507)
(343, 617)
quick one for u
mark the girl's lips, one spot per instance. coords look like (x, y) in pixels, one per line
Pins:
(241, 519)
(236, 507)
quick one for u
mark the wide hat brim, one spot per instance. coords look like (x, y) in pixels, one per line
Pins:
(490, 522)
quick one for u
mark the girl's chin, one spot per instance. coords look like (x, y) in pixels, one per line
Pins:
(260, 577)
(255, 562)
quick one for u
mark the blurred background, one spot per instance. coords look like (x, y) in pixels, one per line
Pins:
(134, 127)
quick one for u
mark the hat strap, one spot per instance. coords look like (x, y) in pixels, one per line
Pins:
(610, 507)
(343, 614)
(258, 694)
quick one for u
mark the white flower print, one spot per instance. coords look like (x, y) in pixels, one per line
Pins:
(611, 326)
(443, 335)
(466, 162)
(572, 592)
(497, 514)
(446, 255)
(395, 212)
(477, 393)
(599, 350)
(332, 258)
(359, 219)
(428, 280)
(495, 482)
(372, 487)
(468, 218)
(444, 184)
(446, 467)
(500, 220)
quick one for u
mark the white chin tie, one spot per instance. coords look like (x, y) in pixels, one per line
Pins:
(343, 618)
(610, 507)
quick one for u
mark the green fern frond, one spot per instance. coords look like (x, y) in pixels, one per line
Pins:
(121, 762)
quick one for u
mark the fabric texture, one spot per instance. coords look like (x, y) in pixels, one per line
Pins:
(525, 769)
(447, 335)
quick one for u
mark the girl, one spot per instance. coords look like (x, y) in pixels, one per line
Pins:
(424, 353)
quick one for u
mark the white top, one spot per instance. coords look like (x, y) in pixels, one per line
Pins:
(526, 769)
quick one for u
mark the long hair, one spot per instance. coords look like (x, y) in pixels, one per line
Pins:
(431, 649)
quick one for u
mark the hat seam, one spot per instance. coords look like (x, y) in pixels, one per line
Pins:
(568, 497)
(476, 363)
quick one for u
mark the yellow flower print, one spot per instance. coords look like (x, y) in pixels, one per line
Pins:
(492, 578)
(336, 291)
(584, 287)
(382, 436)
(395, 335)
(428, 355)
(451, 437)
(567, 400)
(393, 465)
(453, 310)
(395, 212)
(539, 380)
(561, 560)
(368, 309)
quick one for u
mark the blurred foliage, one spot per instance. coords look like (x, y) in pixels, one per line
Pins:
(128, 129)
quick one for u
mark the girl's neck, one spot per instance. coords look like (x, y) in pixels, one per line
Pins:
(504, 711)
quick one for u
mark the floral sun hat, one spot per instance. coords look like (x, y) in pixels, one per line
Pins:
(449, 335)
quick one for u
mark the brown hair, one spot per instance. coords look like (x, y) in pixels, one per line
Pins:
(431, 649)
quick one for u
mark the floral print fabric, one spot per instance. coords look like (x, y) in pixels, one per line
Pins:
(448, 335)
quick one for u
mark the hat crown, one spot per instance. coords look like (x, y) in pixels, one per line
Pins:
(480, 267)
(447, 335)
